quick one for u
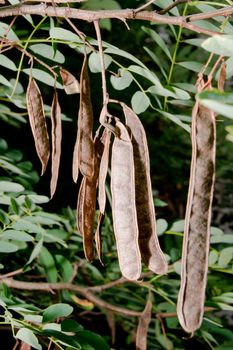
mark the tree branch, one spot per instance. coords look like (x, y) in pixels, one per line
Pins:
(44, 9)
(50, 287)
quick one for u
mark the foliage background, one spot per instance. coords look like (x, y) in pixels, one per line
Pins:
(43, 239)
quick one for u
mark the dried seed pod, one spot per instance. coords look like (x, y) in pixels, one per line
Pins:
(222, 77)
(37, 120)
(195, 252)
(143, 325)
(148, 240)
(123, 205)
(103, 170)
(56, 142)
(83, 157)
(98, 242)
(86, 207)
(70, 83)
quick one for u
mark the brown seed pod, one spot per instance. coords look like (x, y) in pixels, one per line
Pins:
(83, 157)
(195, 252)
(148, 240)
(103, 170)
(70, 83)
(143, 325)
(37, 120)
(86, 207)
(123, 205)
(56, 142)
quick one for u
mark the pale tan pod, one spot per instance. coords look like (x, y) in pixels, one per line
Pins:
(123, 205)
(56, 142)
(37, 121)
(191, 298)
(151, 253)
(83, 156)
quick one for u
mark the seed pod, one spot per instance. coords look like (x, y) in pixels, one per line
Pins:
(70, 83)
(56, 142)
(222, 77)
(86, 207)
(143, 325)
(83, 157)
(103, 170)
(195, 252)
(123, 205)
(148, 240)
(37, 120)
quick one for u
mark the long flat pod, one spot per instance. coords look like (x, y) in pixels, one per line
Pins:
(123, 205)
(86, 207)
(152, 255)
(190, 307)
(37, 121)
(83, 157)
(103, 170)
(143, 325)
(56, 142)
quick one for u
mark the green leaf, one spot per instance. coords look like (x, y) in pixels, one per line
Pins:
(42, 76)
(46, 260)
(158, 40)
(8, 186)
(7, 63)
(156, 60)
(64, 35)
(56, 311)
(162, 226)
(213, 257)
(225, 257)
(48, 52)
(5, 164)
(95, 340)
(67, 339)
(4, 81)
(215, 231)
(70, 326)
(146, 73)
(36, 251)
(17, 236)
(94, 62)
(122, 81)
(4, 217)
(24, 225)
(192, 65)
(140, 102)
(7, 247)
(221, 239)
(177, 226)
(65, 267)
(224, 306)
(6, 31)
(219, 44)
(175, 119)
(27, 336)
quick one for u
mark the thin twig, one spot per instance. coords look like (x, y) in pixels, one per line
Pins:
(11, 274)
(144, 6)
(101, 53)
(170, 7)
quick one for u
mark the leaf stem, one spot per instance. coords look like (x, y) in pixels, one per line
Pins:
(23, 54)
(174, 57)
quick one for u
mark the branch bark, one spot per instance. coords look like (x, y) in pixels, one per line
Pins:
(44, 9)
